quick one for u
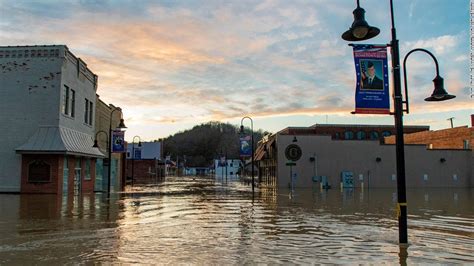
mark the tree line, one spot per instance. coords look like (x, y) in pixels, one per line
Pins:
(199, 146)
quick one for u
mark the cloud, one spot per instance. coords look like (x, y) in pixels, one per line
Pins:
(440, 45)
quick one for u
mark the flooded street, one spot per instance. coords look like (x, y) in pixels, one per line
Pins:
(200, 221)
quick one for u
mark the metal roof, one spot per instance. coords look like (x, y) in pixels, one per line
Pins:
(59, 140)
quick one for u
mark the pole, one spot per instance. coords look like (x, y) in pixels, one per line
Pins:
(133, 159)
(253, 158)
(109, 142)
(400, 152)
(226, 165)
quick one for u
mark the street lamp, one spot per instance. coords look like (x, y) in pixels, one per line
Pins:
(133, 153)
(242, 131)
(359, 31)
(120, 126)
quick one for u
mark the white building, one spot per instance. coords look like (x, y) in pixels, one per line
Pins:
(227, 169)
(47, 103)
(148, 150)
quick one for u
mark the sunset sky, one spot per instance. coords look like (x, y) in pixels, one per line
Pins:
(173, 64)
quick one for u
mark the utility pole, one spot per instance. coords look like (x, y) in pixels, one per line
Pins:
(451, 119)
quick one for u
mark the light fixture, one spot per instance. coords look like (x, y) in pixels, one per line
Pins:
(360, 29)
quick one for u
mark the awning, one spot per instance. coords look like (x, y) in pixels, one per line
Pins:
(60, 140)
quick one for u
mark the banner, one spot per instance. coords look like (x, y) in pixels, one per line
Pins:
(245, 146)
(372, 94)
(118, 143)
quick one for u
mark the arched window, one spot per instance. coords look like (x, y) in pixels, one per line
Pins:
(348, 135)
(361, 135)
(39, 171)
(374, 135)
(386, 133)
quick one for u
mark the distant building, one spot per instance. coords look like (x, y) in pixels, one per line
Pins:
(227, 169)
(353, 163)
(145, 163)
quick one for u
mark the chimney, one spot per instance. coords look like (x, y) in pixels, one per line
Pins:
(472, 120)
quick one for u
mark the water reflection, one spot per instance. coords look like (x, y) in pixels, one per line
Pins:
(202, 221)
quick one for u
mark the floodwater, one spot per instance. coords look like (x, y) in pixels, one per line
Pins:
(200, 221)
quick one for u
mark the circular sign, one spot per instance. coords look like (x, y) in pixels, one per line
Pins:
(293, 152)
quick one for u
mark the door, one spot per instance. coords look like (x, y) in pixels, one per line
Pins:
(65, 174)
(99, 175)
(77, 176)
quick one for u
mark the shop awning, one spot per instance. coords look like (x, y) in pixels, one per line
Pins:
(60, 140)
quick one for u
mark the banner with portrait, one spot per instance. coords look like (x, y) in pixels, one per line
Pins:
(118, 143)
(372, 94)
(245, 146)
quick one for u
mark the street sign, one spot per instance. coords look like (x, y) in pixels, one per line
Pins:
(293, 152)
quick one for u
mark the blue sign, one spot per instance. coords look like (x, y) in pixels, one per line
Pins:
(118, 143)
(245, 146)
(372, 94)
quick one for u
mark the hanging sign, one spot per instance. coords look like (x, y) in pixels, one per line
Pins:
(372, 94)
(118, 143)
(245, 146)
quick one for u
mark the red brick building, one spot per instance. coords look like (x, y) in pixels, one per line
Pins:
(450, 138)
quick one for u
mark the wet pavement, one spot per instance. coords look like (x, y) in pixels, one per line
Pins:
(203, 221)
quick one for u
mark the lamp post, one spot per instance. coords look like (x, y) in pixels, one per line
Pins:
(242, 131)
(133, 153)
(359, 31)
(120, 126)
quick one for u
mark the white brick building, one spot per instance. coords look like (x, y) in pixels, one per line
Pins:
(47, 113)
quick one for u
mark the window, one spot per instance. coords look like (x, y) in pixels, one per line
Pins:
(73, 103)
(88, 112)
(87, 174)
(65, 106)
(39, 171)
(374, 135)
(386, 133)
(348, 135)
(360, 135)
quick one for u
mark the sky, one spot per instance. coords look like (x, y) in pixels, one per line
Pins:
(173, 64)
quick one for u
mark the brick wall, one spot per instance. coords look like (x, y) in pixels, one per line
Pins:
(141, 172)
(451, 138)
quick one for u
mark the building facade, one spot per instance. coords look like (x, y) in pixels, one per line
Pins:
(47, 107)
(227, 169)
(145, 164)
(105, 118)
(362, 164)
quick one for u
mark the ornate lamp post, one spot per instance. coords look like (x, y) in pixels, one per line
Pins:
(359, 31)
(133, 154)
(242, 131)
(120, 126)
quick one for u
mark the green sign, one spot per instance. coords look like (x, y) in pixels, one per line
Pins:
(290, 164)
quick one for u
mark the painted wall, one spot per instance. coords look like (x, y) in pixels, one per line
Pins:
(333, 157)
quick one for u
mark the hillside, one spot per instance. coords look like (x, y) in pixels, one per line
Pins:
(203, 143)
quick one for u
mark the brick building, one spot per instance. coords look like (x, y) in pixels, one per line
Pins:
(450, 138)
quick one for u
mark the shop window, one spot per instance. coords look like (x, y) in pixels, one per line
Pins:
(39, 171)
(348, 135)
(386, 133)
